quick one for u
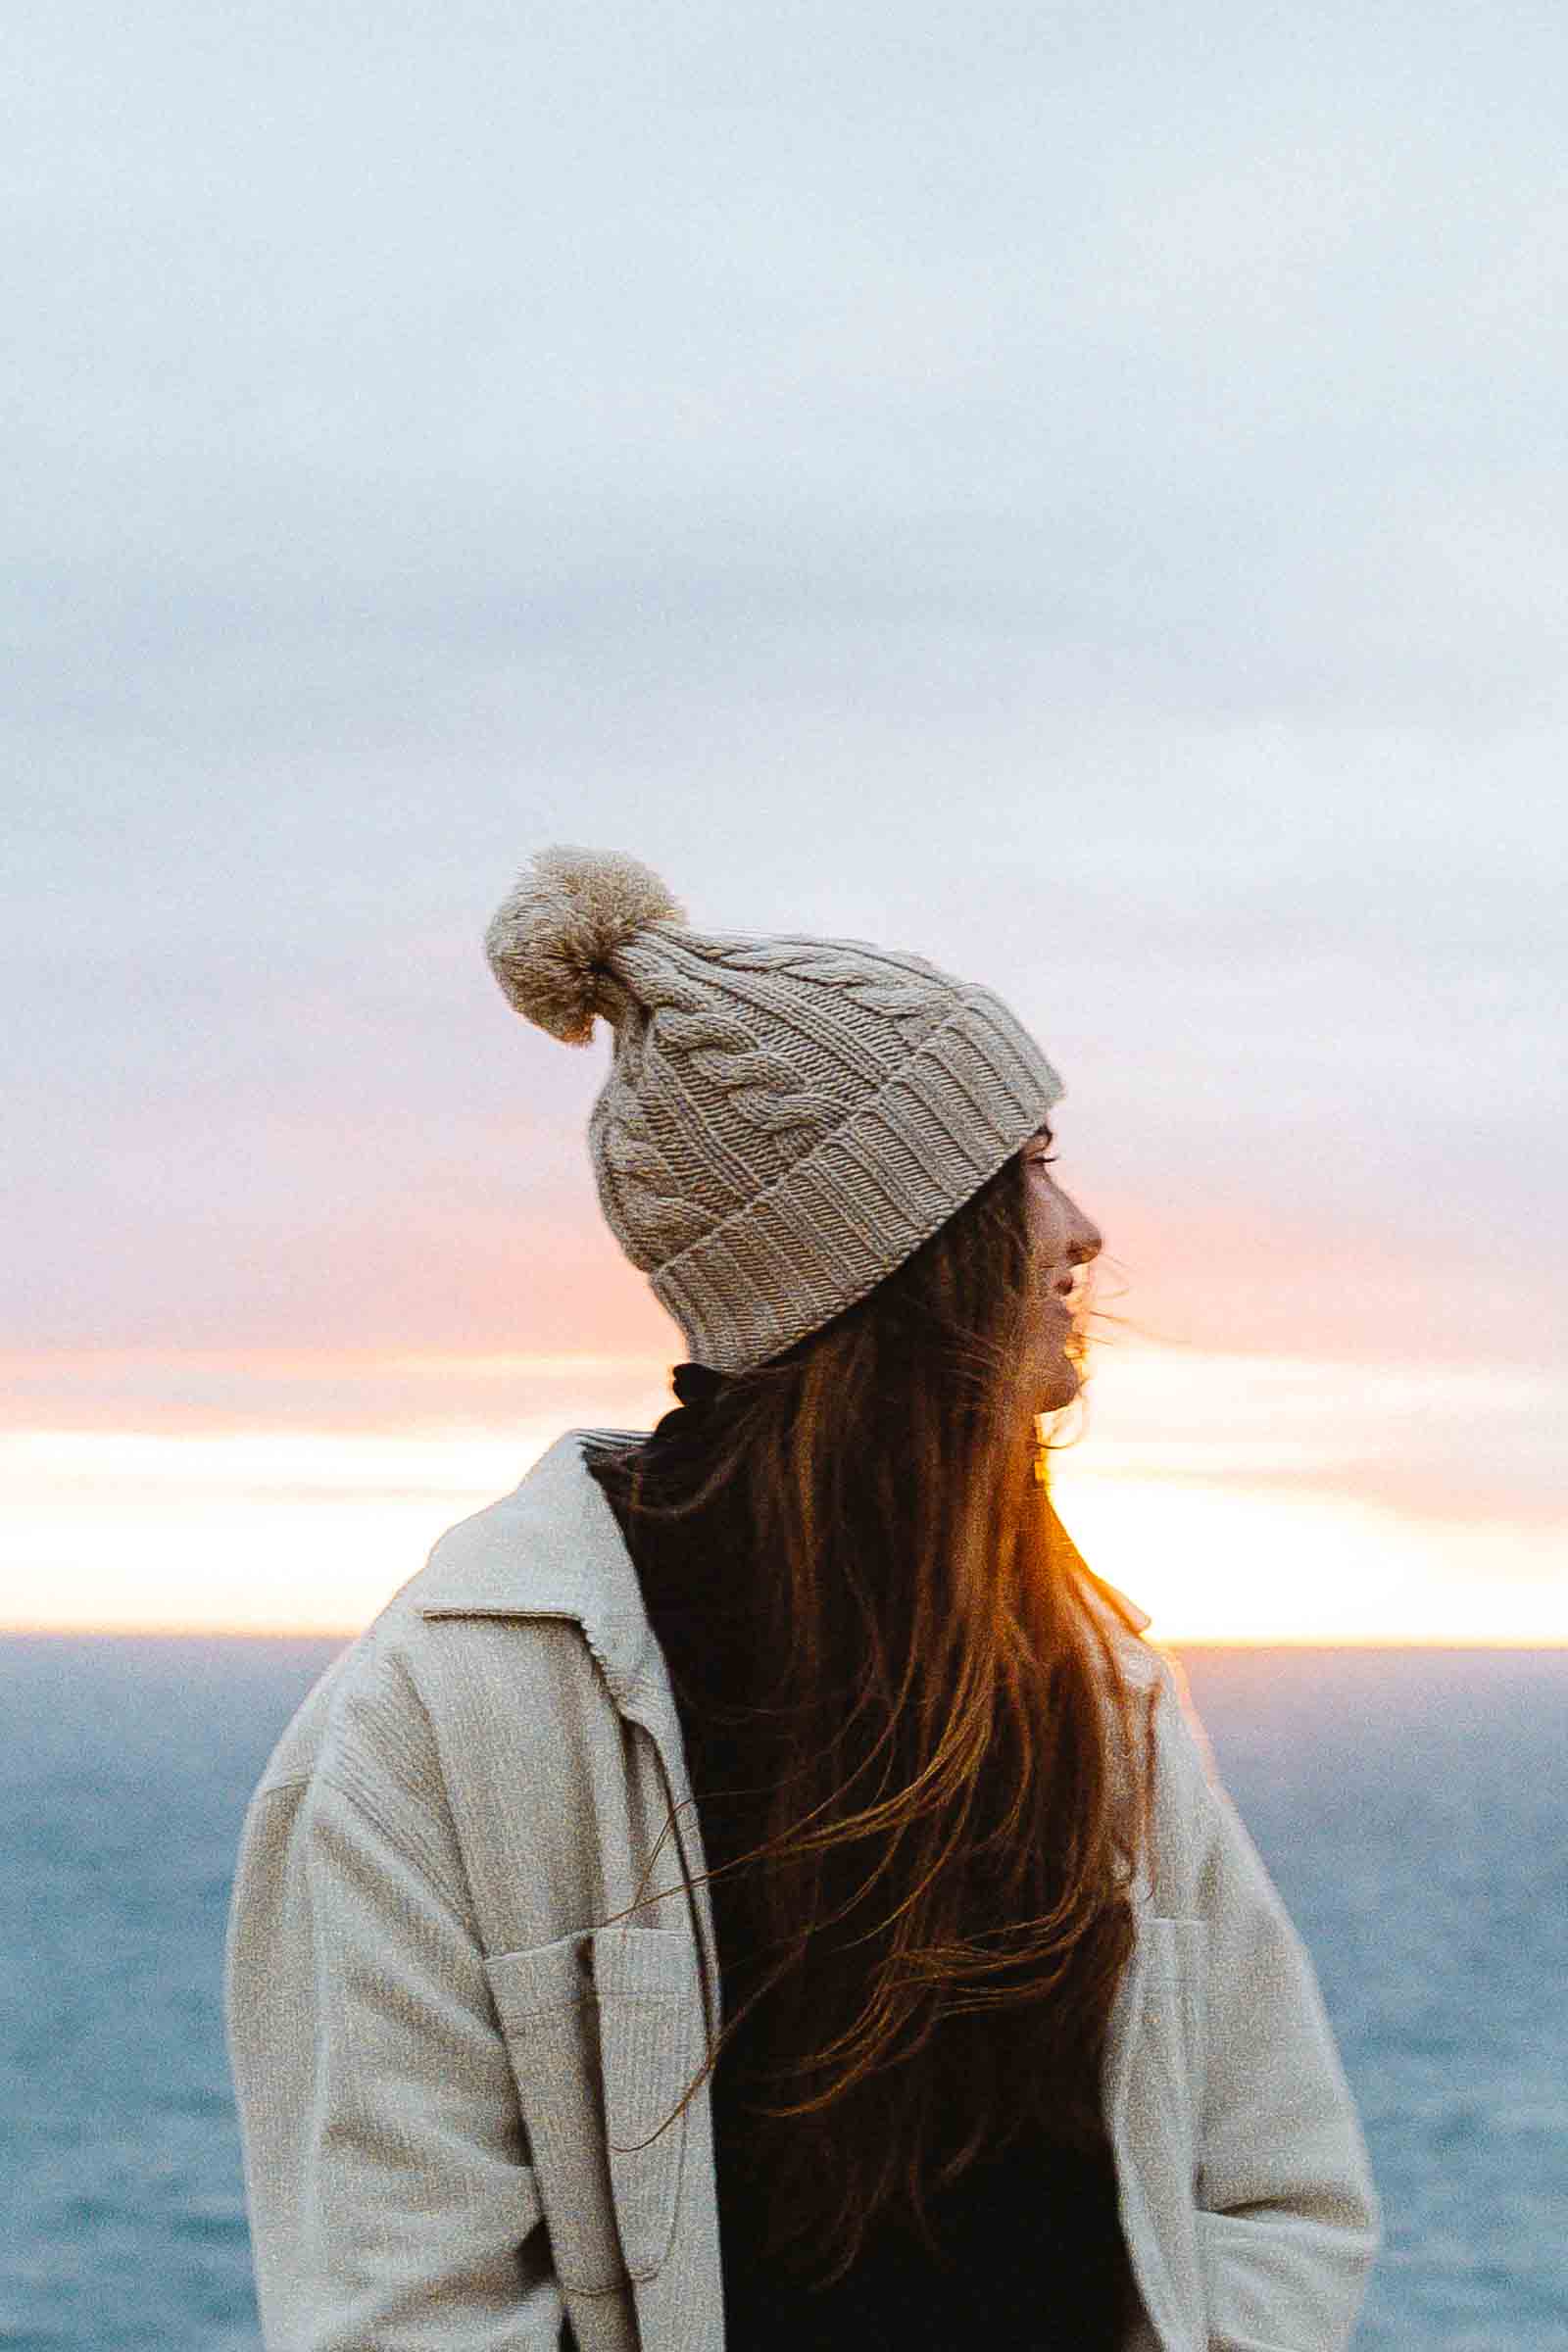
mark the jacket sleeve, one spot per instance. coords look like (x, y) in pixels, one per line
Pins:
(1289, 2220)
(392, 2203)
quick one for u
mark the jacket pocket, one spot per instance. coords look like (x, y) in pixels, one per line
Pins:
(650, 2013)
(544, 2000)
(1176, 2012)
(600, 2027)
(1156, 2125)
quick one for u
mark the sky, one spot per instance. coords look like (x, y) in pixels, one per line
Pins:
(1076, 492)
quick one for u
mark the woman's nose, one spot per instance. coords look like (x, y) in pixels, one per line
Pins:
(1086, 1242)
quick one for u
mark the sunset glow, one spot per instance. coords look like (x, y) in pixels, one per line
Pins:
(1228, 1496)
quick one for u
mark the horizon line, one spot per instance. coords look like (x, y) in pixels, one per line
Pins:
(318, 1633)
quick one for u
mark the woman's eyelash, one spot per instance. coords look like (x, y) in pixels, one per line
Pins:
(1048, 1162)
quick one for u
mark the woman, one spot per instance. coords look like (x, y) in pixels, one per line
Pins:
(964, 2012)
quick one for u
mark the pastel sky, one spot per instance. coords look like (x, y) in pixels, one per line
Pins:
(1076, 491)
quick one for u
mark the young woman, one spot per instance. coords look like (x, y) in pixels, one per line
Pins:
(963, 2012)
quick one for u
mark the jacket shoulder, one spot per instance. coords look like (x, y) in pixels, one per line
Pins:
(377, 1704)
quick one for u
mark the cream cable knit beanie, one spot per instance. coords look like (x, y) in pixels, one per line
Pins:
(785, 1120)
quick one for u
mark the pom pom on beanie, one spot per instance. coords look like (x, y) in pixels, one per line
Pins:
(551, 941)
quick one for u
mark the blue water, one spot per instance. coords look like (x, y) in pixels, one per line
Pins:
(1411, 1805)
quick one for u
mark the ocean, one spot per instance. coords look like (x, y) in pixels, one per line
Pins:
(1410, 1805)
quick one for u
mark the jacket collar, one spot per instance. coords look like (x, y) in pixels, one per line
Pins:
(553, 1548)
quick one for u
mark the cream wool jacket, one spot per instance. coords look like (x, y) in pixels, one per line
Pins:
(443, 2048)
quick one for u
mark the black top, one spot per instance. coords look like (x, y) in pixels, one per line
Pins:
(1035, 2259)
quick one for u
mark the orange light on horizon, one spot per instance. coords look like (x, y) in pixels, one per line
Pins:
(289, 1533)
(1235, 1498)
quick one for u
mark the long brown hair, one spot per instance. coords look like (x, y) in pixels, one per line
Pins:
(944, 1716)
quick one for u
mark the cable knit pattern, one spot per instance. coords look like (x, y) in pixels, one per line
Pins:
(784, 1119)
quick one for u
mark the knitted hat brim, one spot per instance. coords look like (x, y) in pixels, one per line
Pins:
(867, 1196)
